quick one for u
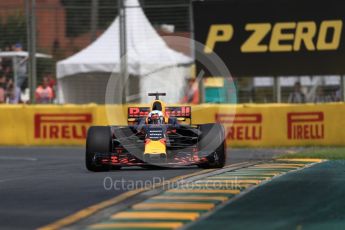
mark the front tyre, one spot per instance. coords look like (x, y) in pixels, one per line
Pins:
(98, 140)
(212, 144)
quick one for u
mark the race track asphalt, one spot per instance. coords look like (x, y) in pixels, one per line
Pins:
(41, 185)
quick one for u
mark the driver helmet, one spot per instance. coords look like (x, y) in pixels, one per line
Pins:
(155, 117)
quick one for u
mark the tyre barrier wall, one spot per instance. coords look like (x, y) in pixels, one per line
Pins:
(267, 125)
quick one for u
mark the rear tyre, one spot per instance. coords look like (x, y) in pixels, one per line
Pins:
(213, 146)
(98, 141)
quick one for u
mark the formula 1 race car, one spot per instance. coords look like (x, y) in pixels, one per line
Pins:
(156, 136)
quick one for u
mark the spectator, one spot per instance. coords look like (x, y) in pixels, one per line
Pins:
(297, 96)
(43, 93)
(337, 96)
(12, 93)
(21, 66)
(320, 96)
(6, 67)
(2, 79)
(51, 83)
(2, 88)
(17, 47)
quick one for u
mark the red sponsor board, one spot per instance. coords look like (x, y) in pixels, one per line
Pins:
(305, 125)
(246, 127)
(134, 112)
(61, 126)
(177, 111)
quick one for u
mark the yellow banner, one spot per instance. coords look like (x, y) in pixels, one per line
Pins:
(45, 125)
(280, 124)
(268, 125)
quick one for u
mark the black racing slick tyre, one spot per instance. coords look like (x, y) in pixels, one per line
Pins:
(212, 145)
(98, 141)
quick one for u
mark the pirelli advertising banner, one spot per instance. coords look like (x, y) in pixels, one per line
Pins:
(266, 125)
(284, 125)
(45, 125)
(272, 37)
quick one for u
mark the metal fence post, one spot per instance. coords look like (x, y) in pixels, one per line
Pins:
(123, 48)
(342, 88)
(94, 19)
(277, 90)
(31, 30)
(15, 70)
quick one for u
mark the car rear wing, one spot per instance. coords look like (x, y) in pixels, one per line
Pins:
(183, 112)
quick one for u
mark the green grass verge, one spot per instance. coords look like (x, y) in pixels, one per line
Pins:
(332, 153)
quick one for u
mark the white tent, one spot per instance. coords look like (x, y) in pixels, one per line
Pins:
(83, 77)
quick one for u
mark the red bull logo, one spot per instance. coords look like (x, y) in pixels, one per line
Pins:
(305, 125)
(62, 126)
(242, 126)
